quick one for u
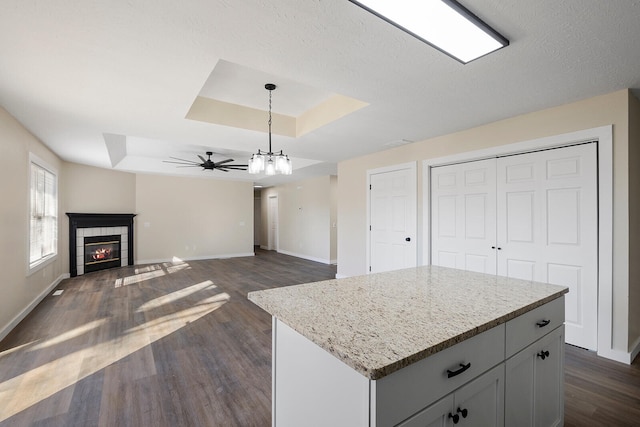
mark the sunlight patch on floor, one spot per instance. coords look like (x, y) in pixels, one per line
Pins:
(174, 296)
(131, 280)
(152, 271)
(76, 332)
(15, 349)
(29, 388)
(174, 268)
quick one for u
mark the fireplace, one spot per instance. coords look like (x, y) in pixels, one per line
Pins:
(99, 241)
(101, 252)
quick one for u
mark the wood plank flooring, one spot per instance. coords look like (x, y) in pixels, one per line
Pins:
(600, 392)
(178, 344)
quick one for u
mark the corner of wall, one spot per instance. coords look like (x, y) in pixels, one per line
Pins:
(634, 224)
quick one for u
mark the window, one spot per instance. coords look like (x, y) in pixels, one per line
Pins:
(43, 221)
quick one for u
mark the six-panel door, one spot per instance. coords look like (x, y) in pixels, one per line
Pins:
(530, 216)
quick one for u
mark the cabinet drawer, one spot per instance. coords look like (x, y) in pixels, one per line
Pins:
(525, 329)
(398, 396)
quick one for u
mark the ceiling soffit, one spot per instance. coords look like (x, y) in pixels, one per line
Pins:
(232, 93)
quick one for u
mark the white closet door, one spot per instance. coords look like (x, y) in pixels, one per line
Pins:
(548, 228)
(463, 215)
(393, 214)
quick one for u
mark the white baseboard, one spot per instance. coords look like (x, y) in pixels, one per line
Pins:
(620, 356)
(334, 262)
(266, 248)
(635, 350)
(341, 276)
(14, 322)
(198, 258)
(307, 257)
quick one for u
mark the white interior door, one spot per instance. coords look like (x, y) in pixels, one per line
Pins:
(534, 217)
(393, 219)
(463, 214)
(548, 229)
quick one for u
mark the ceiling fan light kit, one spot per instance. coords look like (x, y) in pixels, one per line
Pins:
(270, 163)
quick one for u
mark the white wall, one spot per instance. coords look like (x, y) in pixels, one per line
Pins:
(192, 218)
(304, 214)
(20, 290)
(590, 113)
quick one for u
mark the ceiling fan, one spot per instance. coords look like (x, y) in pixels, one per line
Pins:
(207, 164)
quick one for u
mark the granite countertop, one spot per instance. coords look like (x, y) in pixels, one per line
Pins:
(380, 323)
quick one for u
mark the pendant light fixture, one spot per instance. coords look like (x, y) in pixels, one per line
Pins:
(269, 162)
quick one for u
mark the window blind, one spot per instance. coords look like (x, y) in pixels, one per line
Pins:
(44, 219)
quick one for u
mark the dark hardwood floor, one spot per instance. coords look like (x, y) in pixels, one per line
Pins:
(600, 392)
(178, 344)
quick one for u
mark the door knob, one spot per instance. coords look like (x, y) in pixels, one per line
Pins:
(408, 239)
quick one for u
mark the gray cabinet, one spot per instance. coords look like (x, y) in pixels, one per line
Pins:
(534, 383)
(478, 403)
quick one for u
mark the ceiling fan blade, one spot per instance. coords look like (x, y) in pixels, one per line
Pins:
(183, 160)
(201, 158)
(188, 166)
(179, 163)
(236, 167)
(224, 161)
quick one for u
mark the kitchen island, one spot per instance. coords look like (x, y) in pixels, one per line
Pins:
(421, 346)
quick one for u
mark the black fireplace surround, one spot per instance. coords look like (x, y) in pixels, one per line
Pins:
(90, 220)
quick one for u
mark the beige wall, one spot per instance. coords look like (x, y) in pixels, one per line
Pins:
(634, 220)
(304, 218)
(96, 190)
(192, 218)
(20, 290)
(594, 112)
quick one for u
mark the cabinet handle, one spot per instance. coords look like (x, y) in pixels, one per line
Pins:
(543, 354)
(456, 417)
(459, 371)
(463, 412)
(543, 323)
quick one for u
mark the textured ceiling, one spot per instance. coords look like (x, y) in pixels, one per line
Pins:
(110, 83)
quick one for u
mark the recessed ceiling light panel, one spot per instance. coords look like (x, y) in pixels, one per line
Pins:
(444, 24)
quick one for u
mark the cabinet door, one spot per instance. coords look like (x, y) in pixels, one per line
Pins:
(481, 402)
(436, 415)
(535, 383)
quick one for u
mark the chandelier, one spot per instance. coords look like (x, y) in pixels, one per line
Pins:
(271, 163)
